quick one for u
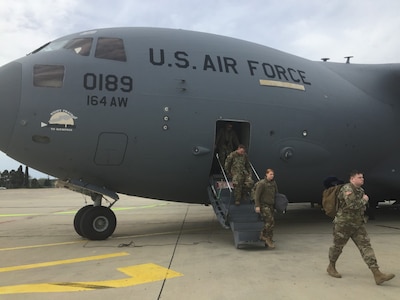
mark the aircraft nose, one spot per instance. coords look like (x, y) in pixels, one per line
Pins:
(10, 97)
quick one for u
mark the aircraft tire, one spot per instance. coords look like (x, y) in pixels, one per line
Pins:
(98, 223)
(78, 218)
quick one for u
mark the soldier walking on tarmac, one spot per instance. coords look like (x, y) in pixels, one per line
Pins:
(349, 223)
(264, 198)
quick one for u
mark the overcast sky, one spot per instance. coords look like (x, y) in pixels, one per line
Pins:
(365, 29)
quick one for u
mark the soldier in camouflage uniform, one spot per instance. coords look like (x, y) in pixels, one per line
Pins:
(237, 166)
(226, 141)
(264, 199)
(349, 223)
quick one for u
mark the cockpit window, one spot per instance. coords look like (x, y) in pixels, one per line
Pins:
(110, 48)
(106, 48)
(48, 76)
(80, 46)
(51, 46)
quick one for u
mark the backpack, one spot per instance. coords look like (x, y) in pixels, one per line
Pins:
(281, 203)
(330, 202)
(253, 190)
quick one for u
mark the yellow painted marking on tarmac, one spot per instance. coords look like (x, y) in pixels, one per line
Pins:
(140, 207)
(115, 209)
(70, 212)
(38, 246)
(19, 215)
(139, 274)
(62, 262)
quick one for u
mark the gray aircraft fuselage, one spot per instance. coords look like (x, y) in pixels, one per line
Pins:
(140, 117)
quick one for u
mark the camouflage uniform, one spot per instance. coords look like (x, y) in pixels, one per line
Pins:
(264, 199)
(238, 166)
(349, 223)
(226, 142)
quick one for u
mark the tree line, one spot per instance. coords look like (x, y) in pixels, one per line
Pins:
(15, 179)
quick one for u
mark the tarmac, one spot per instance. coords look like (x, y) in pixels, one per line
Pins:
(169, 250)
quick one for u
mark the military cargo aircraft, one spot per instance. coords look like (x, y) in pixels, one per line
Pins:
(136, 111)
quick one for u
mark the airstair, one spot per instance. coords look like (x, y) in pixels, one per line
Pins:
(244, 222)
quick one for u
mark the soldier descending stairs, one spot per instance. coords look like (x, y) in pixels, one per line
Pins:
(241, 219)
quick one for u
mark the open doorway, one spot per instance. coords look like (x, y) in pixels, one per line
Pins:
(228, 135)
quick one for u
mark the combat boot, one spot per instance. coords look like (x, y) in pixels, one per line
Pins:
(381, 277)
(332, 270)
(269, 243)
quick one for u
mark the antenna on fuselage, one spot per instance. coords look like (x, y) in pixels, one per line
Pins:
(325, 59)
(348, 59)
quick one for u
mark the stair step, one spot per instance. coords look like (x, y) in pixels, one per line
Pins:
(246, 237)
(245, 224)
(237, 226)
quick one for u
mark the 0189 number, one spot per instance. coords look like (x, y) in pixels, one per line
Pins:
(108, 82)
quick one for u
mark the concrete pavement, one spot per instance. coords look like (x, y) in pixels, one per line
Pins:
(167, 250)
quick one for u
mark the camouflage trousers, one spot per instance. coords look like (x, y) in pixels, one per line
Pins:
(267, 214)
(342, 233)
(223, 153)
(242, 184)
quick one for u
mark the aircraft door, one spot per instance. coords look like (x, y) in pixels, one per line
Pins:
(229, 134)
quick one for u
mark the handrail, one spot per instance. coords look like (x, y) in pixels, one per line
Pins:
(254, 171)
(223, 173)
(226, 177)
